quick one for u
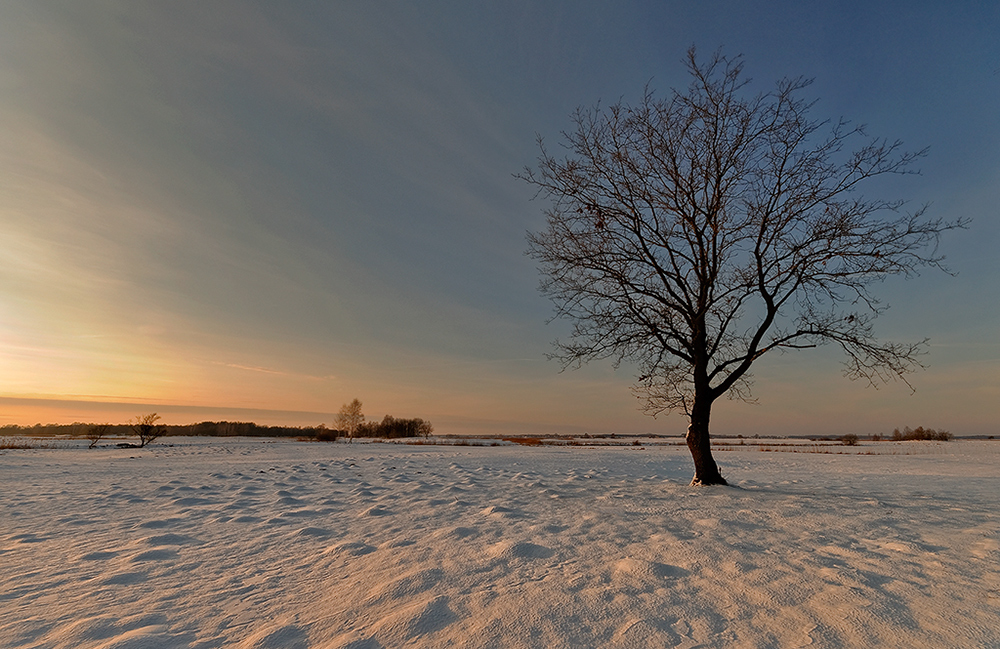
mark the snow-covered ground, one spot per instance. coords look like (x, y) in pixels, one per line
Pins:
(265, 544)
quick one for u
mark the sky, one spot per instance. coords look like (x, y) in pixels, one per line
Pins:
(260, 211)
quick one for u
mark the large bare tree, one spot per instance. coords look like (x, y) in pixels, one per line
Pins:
(694, 234)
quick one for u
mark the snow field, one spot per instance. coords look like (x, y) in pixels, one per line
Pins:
(262, 544)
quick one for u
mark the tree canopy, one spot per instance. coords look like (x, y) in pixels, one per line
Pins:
(694, 234)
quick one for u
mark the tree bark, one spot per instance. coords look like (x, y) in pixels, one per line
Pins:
(706, 471)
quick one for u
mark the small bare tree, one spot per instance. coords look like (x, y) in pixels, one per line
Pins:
(146, 428)
(350, 418)
(693, 235)
(96, 433)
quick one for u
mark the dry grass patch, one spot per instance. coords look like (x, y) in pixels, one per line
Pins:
(20, 443)
(524, 441)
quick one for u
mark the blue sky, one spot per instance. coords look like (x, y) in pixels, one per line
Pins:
(258, 210)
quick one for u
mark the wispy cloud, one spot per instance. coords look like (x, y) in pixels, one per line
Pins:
(265, 370)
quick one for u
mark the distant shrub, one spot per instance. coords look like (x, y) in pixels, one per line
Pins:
(920, 433)
(146, 428)
(849, 440)
(324, 434)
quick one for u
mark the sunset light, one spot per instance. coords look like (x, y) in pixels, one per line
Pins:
(249, 212)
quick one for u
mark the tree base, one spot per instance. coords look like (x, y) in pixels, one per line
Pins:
(707, 482)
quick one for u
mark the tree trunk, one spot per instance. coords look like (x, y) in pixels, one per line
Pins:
(706, 471)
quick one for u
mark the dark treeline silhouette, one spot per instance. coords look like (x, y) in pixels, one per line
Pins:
(920, 434)
(203, 429)
(390, 427)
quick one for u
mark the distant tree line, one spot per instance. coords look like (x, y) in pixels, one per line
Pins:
(350, 423)
(391, 428)
(203, 429)
(919, 433)
(147, 429)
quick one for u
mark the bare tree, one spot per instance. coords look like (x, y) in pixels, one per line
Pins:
(146, 428)
(694, 234)
(96, 433)
(349, 419)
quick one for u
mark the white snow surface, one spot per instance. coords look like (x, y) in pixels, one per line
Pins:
(263, 544)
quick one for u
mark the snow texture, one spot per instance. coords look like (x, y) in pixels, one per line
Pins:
(262, 544)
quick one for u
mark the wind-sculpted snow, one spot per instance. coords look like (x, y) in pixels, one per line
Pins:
(279, 544)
